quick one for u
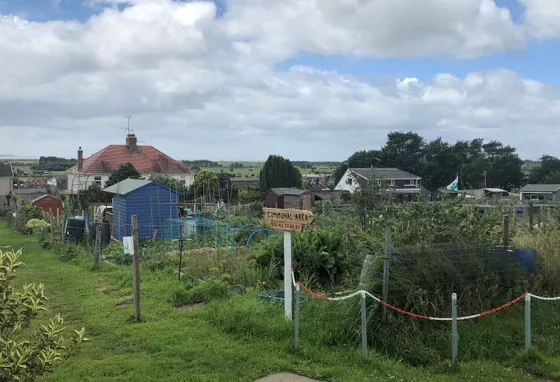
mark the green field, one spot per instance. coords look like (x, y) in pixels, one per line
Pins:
(240, 339)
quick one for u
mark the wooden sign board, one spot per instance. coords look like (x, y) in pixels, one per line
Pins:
(295, 217)
(286, 226)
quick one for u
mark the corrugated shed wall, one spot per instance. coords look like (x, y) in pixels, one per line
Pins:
(152, 204)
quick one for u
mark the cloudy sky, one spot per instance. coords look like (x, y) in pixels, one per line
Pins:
(307, 79)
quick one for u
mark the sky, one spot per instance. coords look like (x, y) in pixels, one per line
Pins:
(306, 79)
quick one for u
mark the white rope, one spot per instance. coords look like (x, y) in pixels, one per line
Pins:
(543, 298)
(360, 292)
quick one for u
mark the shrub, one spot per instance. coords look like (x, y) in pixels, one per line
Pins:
(316, 256)
(25, 358)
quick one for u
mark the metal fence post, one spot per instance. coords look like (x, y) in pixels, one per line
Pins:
(296, 319)
(364, 331)
(527, 322)
(386, 264)
(454, 329)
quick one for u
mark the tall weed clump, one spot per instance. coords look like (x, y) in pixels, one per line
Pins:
(546, 243)
(437, 249)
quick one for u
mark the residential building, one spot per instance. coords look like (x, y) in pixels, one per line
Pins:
(398, 181)
(6, 182)
(540, 192)
(146, 159)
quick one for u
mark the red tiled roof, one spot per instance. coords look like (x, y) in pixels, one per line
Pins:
(146, 159)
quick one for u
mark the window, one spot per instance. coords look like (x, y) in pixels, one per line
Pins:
(410, 182)
(97, 180)
(349, 181)
(183, 182)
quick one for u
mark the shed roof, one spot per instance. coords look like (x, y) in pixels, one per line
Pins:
(287, 191)
(385, 173)
(541, 188)
(126, 186)
(45, 196)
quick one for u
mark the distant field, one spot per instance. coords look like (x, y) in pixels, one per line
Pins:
(249, 170)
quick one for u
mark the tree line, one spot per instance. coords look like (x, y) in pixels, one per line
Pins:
(478, 163)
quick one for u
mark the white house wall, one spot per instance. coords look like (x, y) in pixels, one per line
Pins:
(77, 182)
(343, 183)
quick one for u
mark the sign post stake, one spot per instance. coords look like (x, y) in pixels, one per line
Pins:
(288, 274)
(287, 220)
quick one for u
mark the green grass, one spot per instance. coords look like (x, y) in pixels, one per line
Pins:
(238, 339)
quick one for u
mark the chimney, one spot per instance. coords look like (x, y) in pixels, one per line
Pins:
(80, 159)
(131, 142)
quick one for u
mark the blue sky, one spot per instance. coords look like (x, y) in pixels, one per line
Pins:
(225, 82)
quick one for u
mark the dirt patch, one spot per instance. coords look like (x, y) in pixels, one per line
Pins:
(125, 304)
(195, 306)
(101, 289)
(286, 377)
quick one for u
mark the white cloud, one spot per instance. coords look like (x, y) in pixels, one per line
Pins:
(205, 86)
(542, 18)
(380, 28)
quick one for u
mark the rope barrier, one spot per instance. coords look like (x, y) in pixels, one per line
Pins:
(544, 298)
(411, 314)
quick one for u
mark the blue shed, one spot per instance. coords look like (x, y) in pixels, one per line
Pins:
(152, 202)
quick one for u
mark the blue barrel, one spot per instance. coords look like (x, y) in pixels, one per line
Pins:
(527, 258)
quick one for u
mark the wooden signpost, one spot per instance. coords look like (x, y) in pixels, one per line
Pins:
(287, 221)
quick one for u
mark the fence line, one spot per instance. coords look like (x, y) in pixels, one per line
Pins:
(363, 293)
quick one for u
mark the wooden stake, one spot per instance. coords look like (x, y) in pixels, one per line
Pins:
(506, 231)
(97, 246)
(386, 264)
(135, 269)
(51, 224)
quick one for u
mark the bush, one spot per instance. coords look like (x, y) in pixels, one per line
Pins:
(316, 256)
(207, 290)
(24, 357)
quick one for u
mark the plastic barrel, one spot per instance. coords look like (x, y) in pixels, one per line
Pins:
(105, 233)
(527, 258)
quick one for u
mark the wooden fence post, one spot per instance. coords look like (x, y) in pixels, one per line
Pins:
(506, 231)
(97, 246)
(62, 229)
(135, 269)
(531, 215)
(51, 224)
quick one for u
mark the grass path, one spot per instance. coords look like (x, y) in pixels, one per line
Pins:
(175, 345)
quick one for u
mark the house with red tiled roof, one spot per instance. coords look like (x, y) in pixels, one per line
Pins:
(146, 159)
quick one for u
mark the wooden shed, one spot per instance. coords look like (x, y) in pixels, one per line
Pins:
(48, 203)
(287, 198)
(152, 202)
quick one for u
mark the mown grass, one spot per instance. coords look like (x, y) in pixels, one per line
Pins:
(238, 339)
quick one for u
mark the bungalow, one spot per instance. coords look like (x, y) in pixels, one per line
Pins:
(146, 159)
(540, 192)
(398, 181)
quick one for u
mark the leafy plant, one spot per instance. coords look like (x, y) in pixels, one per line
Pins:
(25, 357)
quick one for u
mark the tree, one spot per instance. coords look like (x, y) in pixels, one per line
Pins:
(206, 184)
(168, 181)
(249, 196)
(404, 151)
(546, 171)
(279, 172)
(24, 356)
(371, 201)
(93, 195)
(126, 171)
(225, 187)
